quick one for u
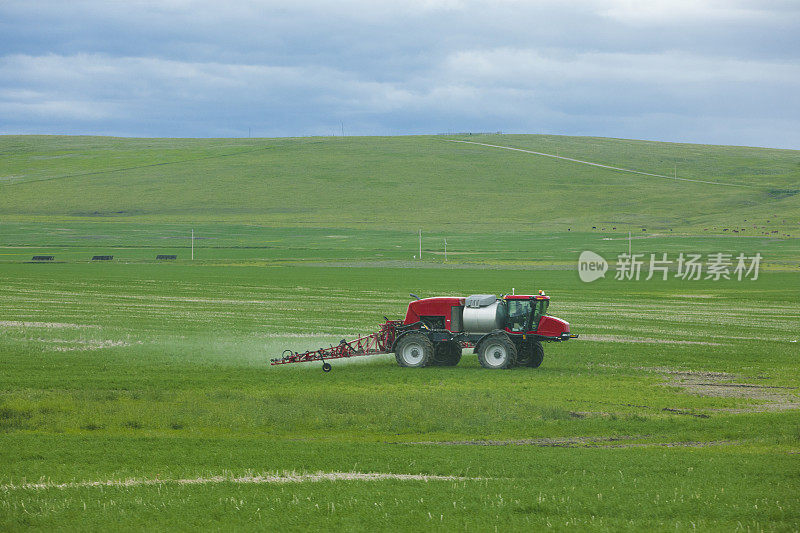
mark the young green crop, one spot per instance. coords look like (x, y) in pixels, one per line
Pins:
(137, 394)
(107, 365)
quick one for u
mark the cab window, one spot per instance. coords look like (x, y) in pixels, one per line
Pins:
(518, 313)
(540, 310)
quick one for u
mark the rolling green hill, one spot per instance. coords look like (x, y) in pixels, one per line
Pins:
(401, 183)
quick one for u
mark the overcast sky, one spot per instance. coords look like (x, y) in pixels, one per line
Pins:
(722, 72)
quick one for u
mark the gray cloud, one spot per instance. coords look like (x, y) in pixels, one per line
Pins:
(701, 71)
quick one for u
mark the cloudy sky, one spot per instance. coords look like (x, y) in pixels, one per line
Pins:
(724, 72)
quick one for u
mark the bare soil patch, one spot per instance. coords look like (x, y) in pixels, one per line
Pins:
(286, 477)
(579, 442)
(80, 345)
(724, 385)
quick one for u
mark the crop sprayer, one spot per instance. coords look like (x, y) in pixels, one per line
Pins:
(505, 332)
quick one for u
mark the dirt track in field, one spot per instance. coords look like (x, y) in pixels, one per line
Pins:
(724, 385)
(579, 442)
(642, 340)
(248, 479)
(600, 165)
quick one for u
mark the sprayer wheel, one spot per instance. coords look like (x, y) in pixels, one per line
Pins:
(447, 353)
(413, 350)
(497, 351)
(531, 354)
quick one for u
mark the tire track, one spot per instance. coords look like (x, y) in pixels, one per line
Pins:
(582, 162)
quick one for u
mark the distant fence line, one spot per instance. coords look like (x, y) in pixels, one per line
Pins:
(472, 133)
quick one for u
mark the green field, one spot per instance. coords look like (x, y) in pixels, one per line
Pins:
(137, 394)
(401, 183)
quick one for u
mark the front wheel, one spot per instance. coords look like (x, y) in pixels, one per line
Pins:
(413, 350)
(497, 351)
(531, 354)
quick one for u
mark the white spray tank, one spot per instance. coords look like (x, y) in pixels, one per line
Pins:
(484, 313)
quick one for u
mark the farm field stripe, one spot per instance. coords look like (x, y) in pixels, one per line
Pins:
(619, 338)
(597, 164)
(580, 443)
(25, 324)
(137, 167)
(251, 479)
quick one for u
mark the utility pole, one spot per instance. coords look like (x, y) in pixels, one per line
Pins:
(192, 244)
(420, 243)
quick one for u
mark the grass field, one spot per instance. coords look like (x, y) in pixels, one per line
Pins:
(401, 183)
(137, 394)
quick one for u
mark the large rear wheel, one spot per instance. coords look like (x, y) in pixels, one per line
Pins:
(413, 350)
(497, 351)
(447, 353)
